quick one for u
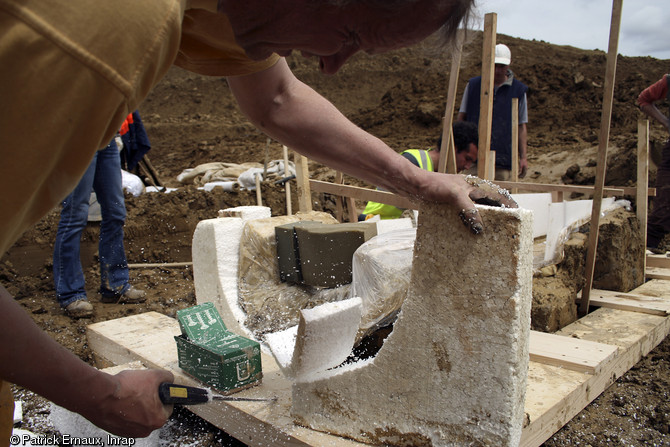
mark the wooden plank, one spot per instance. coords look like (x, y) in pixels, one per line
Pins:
(603, 141)
(570, 353)
(547, 187)
(486, 101)
(365, 194)
(658, 261)
(149, 338)
(656, 273)
(555, 395)
(654, 305)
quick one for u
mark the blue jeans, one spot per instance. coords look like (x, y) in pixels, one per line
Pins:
(104, 177)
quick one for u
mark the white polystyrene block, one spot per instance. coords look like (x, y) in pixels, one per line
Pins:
(215, 254)
(386, 225)
(323, 338)
(18, 411)
(538, 203)
(282, 344)
(564, 217)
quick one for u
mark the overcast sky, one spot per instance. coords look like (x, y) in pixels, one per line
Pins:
(645, 24)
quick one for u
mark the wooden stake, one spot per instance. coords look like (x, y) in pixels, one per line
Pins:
(287, 185)
(339, 209)
(259, 200)
(160, 265)
(351, 208)
(641, 197)
(486, 101)
(302, 179)
(266, 158)
(603, 141)
(515, 142)
(447, 161)
(152, 170)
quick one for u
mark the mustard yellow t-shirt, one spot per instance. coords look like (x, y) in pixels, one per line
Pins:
(208, 47)
(71, 73)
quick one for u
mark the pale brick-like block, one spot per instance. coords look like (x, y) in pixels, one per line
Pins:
(453, 371)
(247, 212)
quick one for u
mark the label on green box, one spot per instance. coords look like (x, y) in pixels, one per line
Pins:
(210, 353)
(201, 323)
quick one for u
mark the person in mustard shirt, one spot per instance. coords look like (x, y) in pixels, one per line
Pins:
(70, 75)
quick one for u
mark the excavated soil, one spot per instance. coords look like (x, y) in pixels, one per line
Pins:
(399, 97)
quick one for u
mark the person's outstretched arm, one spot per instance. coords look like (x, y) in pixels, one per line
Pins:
(126, 404)
(647, 101)
(294, 114)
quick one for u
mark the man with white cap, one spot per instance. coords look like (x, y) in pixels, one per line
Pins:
(506, 87)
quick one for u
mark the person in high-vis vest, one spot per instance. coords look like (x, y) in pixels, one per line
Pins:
(465, 140)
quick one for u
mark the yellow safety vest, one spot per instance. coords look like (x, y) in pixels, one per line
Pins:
(390, 211)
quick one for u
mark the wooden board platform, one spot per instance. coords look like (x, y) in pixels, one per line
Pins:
(567, 371)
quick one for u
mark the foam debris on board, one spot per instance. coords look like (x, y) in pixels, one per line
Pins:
(454, 369)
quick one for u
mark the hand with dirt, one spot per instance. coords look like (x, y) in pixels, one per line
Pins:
(482, 192)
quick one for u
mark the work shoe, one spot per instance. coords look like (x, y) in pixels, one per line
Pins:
(130, 296)
(79, 309)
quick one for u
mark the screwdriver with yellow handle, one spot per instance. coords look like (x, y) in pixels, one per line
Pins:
(171, 393)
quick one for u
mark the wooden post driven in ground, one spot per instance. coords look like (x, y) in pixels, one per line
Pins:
(287, 185)
(486, 102)
(515, 143)
(266, 158)
(447, 150)
(259, 199)
(339, 208)
(641, 196)
(603, 141)
(302, 179)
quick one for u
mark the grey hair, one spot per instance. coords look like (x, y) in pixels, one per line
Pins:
(461, 13)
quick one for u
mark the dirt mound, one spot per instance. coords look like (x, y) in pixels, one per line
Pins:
(399, 97)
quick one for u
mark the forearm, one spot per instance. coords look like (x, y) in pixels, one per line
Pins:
(289, 111)
(125, 404)
(523, 141)
(652, 112)
(299, 117)
(28, 355)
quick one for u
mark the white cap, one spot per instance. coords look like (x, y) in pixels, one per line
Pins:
(503, 54)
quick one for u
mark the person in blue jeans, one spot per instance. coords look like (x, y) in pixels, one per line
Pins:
(104, 177)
